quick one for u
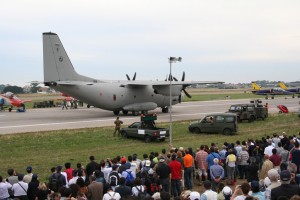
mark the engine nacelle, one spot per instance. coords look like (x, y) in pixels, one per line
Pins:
(165, 90)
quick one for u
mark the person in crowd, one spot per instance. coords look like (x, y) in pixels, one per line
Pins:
(33, 187)
(267, 165)
(4, 189)
(285, 189)
(273, 175)
(94, 189)
(43, 191)
(210, 159)
(231, 164)
(137, 188)
(208, 194)
(28, 176)
(82, 187)
(296, 156)
(243, 158)
(275, 159)
(188, 161)
(20, 188)
(244, 188)
(123, 189)
(216, 174)
(226, 192)
(201, 163)
(176, 175)
(255, 191)
(69, 171)
(163, 174)
(152, 183)
(110, 194)
(12, 176)
(91, 167)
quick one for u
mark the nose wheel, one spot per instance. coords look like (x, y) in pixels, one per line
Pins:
(165, 109)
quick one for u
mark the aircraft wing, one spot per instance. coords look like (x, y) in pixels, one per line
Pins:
(167, 83)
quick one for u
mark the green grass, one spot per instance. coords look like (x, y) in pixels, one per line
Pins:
(43, 150)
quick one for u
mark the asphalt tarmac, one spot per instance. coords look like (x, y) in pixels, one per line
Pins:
(45, 119)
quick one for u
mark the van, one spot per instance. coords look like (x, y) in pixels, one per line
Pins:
(225, 123)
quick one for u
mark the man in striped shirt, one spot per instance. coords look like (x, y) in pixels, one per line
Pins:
(201, 163)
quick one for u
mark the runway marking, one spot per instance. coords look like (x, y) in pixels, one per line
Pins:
(57, 123)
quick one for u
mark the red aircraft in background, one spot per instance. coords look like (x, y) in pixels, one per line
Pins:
(10, 100)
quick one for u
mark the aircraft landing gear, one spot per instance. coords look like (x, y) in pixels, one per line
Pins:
(116, 112)
(144, 112)
(135, 113)
(125, 112)
(165, 109)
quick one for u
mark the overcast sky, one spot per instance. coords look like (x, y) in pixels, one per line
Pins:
(219, 40)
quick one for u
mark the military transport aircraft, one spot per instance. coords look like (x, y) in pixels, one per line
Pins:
(273, 91)
(126, 96)
(293, 90)
(10, 100)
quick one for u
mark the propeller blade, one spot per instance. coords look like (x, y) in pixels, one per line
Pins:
(179, 99)
(187, 94)
(128, 78)
(134, 76)
(170, 77)
(175, 78)
(183, 76)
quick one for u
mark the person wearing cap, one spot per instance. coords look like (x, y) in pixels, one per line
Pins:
(28, 176)
(226, 192)
(33, 187)
(194, 195)
(216, 174)
(163, 174)
(208, 194)
(273, 176)
(176, 175)
(255, 191)
(285, 189)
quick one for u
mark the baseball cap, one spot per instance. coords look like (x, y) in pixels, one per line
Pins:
(150, 171)
(123, 160)
(147, 163)
(194, 195)
(114, 167)
(29, 169)
(226, 191)
(285, 175)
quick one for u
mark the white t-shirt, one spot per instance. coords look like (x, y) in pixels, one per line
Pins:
(111, 195)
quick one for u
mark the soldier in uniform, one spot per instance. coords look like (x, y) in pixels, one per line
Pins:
(118, 126)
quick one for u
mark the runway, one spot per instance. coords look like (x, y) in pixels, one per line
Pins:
(45, 119)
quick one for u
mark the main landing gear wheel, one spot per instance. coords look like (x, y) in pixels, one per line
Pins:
(135, 113)
(125, 112)
(165, 109)
(116, 112)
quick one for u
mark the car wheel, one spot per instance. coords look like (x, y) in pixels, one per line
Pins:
(251, 119)
(227, 131)
(147, 139)
(238, 119)
(163, 139)
(196, 130)
(124, 134)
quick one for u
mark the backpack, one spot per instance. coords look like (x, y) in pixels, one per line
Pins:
(113, 179)
(129, 178)
(154, 187)
(111, 197)
(55, 183)
(141, 194)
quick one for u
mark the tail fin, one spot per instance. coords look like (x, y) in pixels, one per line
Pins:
(57, 65)
(255, 86)
(282, 86)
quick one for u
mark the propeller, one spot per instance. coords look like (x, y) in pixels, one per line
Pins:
(134, 76)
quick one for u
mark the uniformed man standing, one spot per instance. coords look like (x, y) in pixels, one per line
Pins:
(118, 126)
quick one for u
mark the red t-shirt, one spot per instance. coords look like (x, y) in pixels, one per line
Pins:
(69, 173)
(176, 168)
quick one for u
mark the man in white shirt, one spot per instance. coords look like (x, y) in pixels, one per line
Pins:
(20, 188)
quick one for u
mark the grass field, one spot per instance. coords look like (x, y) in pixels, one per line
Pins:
(43, 150)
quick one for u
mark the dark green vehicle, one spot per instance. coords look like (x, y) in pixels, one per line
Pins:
(252, 111)
(225, 123)
(145, 130)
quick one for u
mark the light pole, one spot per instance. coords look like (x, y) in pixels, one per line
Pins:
(171, 60)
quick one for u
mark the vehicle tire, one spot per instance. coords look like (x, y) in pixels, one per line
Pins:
(251, 119)
(88, 106)
(162, 140)
(238, 119)
(124, 134)
(147, 139)
(135, 113)
(165, 110)
(227, 131)
(196, 130)
(125, 112)
(116, 112)
(10, 109)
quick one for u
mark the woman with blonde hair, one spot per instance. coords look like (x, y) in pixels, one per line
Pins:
(43, 191)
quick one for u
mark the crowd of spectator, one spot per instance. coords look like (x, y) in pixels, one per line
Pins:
(263, 169)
